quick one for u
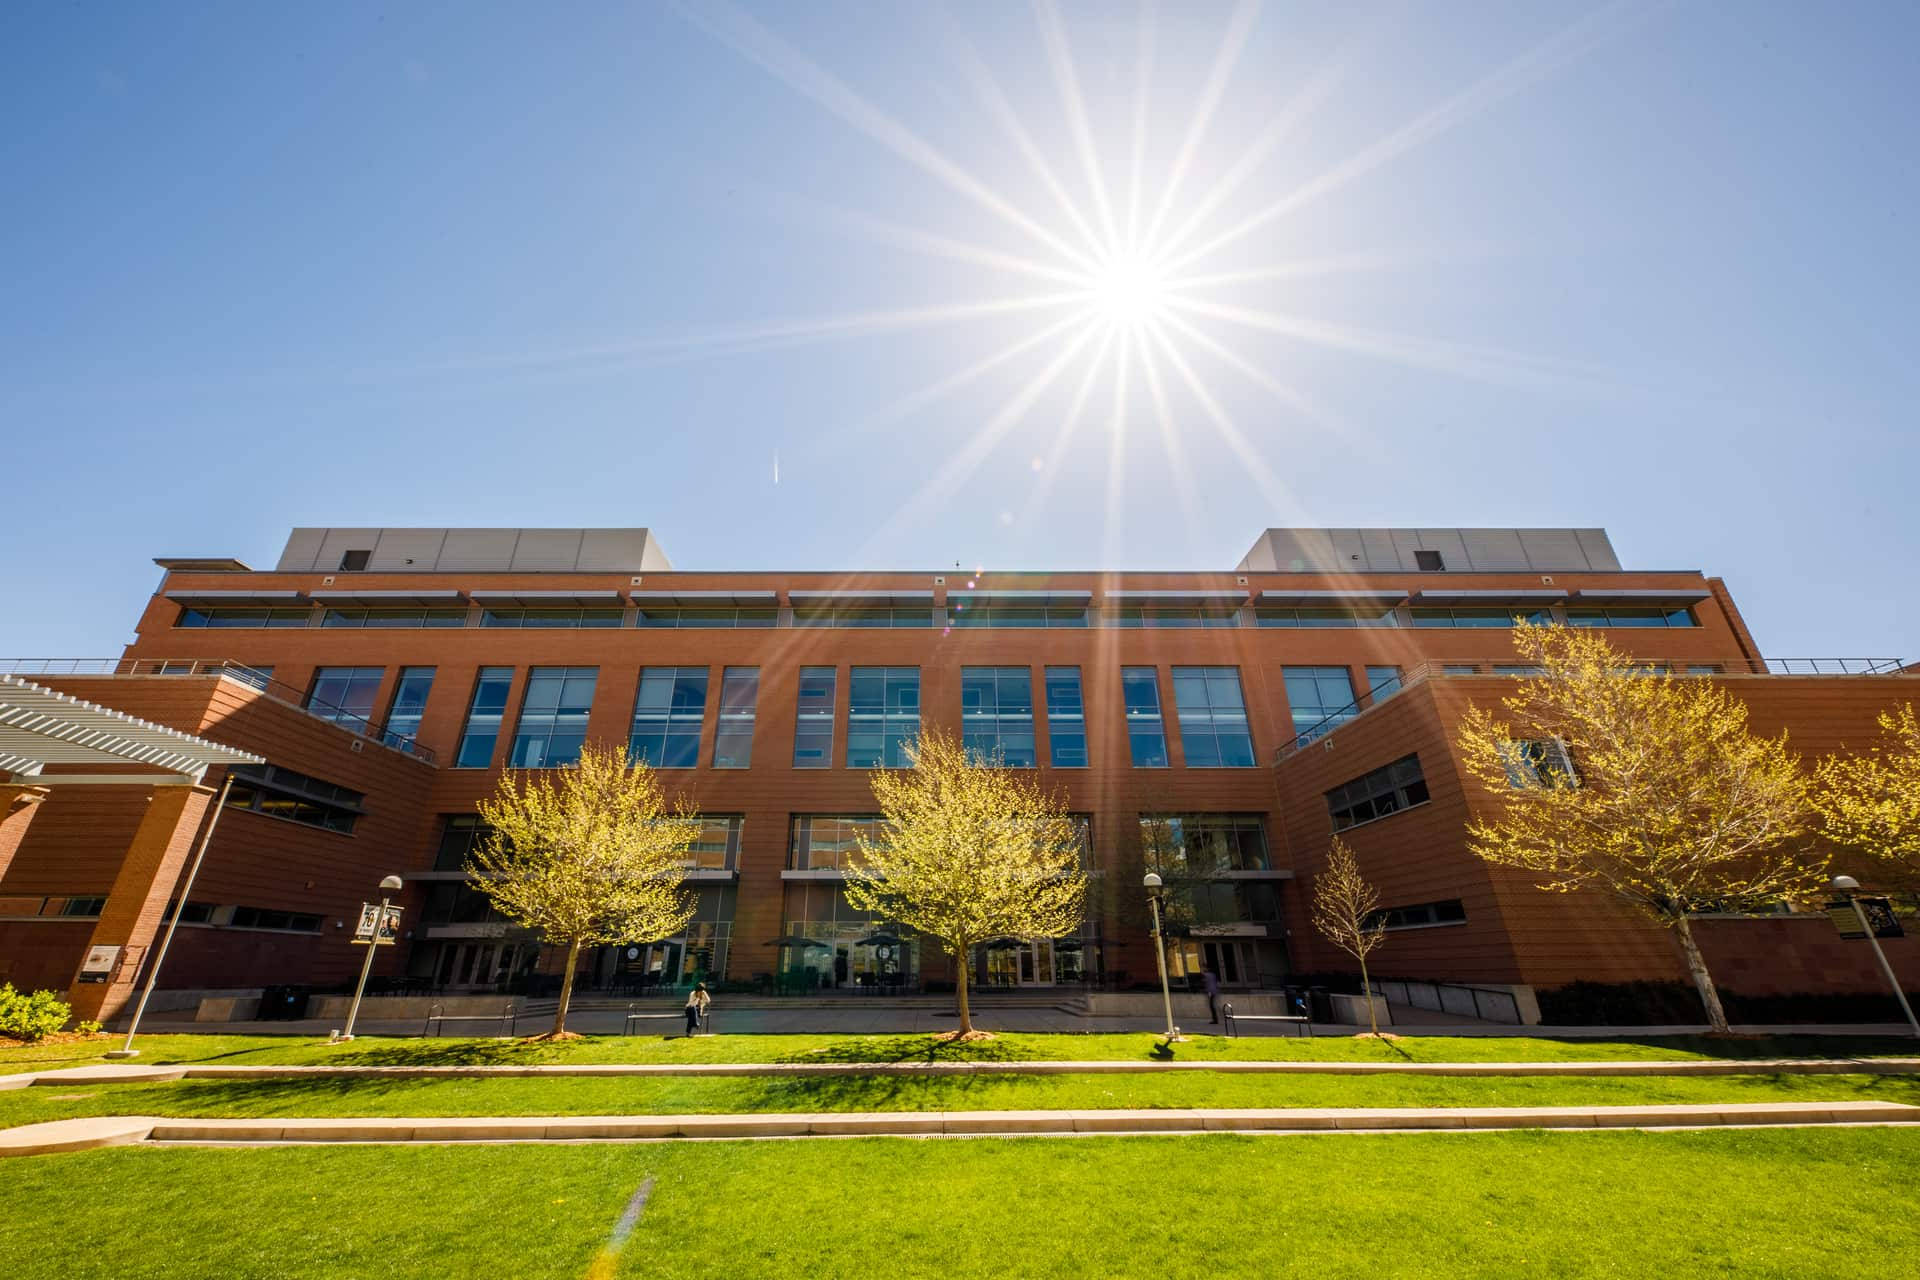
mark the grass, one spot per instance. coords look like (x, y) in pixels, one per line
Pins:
(1760, 1204)
(1011, 1046)
(672, 1096)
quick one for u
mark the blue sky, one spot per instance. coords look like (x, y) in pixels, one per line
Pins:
(1648, 267)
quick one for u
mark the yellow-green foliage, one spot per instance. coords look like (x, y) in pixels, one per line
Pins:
(1871, 802)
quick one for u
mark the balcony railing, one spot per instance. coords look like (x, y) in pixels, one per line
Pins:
(1689, 667)
(318, 708)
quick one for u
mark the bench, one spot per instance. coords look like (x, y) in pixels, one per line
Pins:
(678, 1015)
(507, 1019)
(1229, 1017)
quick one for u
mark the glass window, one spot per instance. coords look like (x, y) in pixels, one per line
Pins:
(1491, 619)
(553, 717)
(883, 716)
(1519, 670)
(409, 704)
(1155, 617)
(484, 714)
(1199, 844)
(667, 716)
(1066, 718)
(1212, 712)
(733, 739)
(718, 618)
(244, 617)
(376, 619)
(866, 616)
(459, 837)
(1267, 616)
(345, 695)
(1460, 668)
(550, 618)
(1623, 616)
(996, 715)
(813, 719)
(282, 793)
(717, 847)
(1386, 790)
(1320, 698)
(828, 841)
(1146, 732)
(1538, 763)
(1383, 682)
(961, 614)
(1422, 915)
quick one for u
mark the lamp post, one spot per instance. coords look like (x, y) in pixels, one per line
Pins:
(1151, 882)
(1847, 887)
(390, 885)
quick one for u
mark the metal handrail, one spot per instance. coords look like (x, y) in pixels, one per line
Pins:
(1413, 675)
(250, 676)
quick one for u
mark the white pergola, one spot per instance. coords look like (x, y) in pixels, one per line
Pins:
(41, 726)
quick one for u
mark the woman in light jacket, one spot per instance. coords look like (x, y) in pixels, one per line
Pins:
(697, 1002)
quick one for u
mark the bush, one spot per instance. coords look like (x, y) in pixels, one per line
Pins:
(31, 1017)
(1617, 1004)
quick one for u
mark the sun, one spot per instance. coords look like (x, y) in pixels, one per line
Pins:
(1129, 290)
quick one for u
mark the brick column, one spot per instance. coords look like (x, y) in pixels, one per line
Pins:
(131, 917)
(19, 801)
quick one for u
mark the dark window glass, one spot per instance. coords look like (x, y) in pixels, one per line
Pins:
(409, 704)
(813, 720)
(1146, 732)
(964, 615)
(295, 797)
(733, 739)
(1066, 718)
(345, 695)
(667, 716)
(550, 618)
(828, 841)
(224, 617)
(1213, 717)
(1385, 791)
(863, 616)
(394, 619)
(1421, 915)
(1169, 617)
(459, 837)
(1625, 616)
(1479, 619)
(553, 717)
(719, 618)
(1323, 619)
(484, 714)
(1320, 700)
(1203, 844)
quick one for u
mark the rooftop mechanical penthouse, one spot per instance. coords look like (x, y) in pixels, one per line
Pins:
(372, 685)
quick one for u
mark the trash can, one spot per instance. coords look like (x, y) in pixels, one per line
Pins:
(1320, 1004)
(284, 1003)
(1296, 998)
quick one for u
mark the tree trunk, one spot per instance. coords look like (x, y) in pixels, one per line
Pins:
(1366, 992)
(1697, 966)
(960, 990)
(566, 988)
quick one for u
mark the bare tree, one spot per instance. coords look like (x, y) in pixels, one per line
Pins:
(1344, 907)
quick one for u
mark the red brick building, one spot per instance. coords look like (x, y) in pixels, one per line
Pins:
(386, 676)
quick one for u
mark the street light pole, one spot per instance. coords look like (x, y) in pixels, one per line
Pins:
(389, 885)
(1847, 885)
(1152, 884)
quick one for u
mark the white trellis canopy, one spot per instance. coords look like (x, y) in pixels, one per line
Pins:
(41, 726)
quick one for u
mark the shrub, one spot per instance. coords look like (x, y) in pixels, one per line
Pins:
(29, 1017)
(89, 1028)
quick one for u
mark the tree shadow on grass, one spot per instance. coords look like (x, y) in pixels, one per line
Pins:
(915, 1048)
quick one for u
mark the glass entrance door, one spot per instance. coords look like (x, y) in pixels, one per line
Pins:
(1028, 965)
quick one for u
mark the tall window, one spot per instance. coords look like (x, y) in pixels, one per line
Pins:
(996, 715)
(883, 715)
(489, 705)
(1066, 718)
(1382, 682)
(667, 715)
(813, 719)
(409, 704)
(344, 695)
(553, 717)
(733, 740)
(1146, 733)
(1213, 717)
(1201, 844)
(1321, 699)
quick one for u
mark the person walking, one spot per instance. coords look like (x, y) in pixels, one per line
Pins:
(697, 1002)
(1211, 981)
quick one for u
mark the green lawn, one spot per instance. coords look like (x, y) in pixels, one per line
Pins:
(1756, 1204)
(1012, 1046)
(663, 1096)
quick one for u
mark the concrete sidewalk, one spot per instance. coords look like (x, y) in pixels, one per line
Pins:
(102, 1131)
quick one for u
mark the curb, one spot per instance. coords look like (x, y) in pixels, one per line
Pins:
(80, 1134)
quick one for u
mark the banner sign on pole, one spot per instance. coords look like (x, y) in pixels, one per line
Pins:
(388, 928)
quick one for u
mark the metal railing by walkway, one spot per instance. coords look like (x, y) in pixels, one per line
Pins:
(299, 699)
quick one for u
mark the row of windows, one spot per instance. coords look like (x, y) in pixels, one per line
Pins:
(1385, 790)
(716, 845)
(295, 797)
(239, 917)
(56, 907)
(1421, 915)
(921, 617)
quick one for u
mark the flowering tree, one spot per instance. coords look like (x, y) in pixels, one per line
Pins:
(1872, 802)
(588, 854)
(1611, 776)
(968, 853)
(1343, 911)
